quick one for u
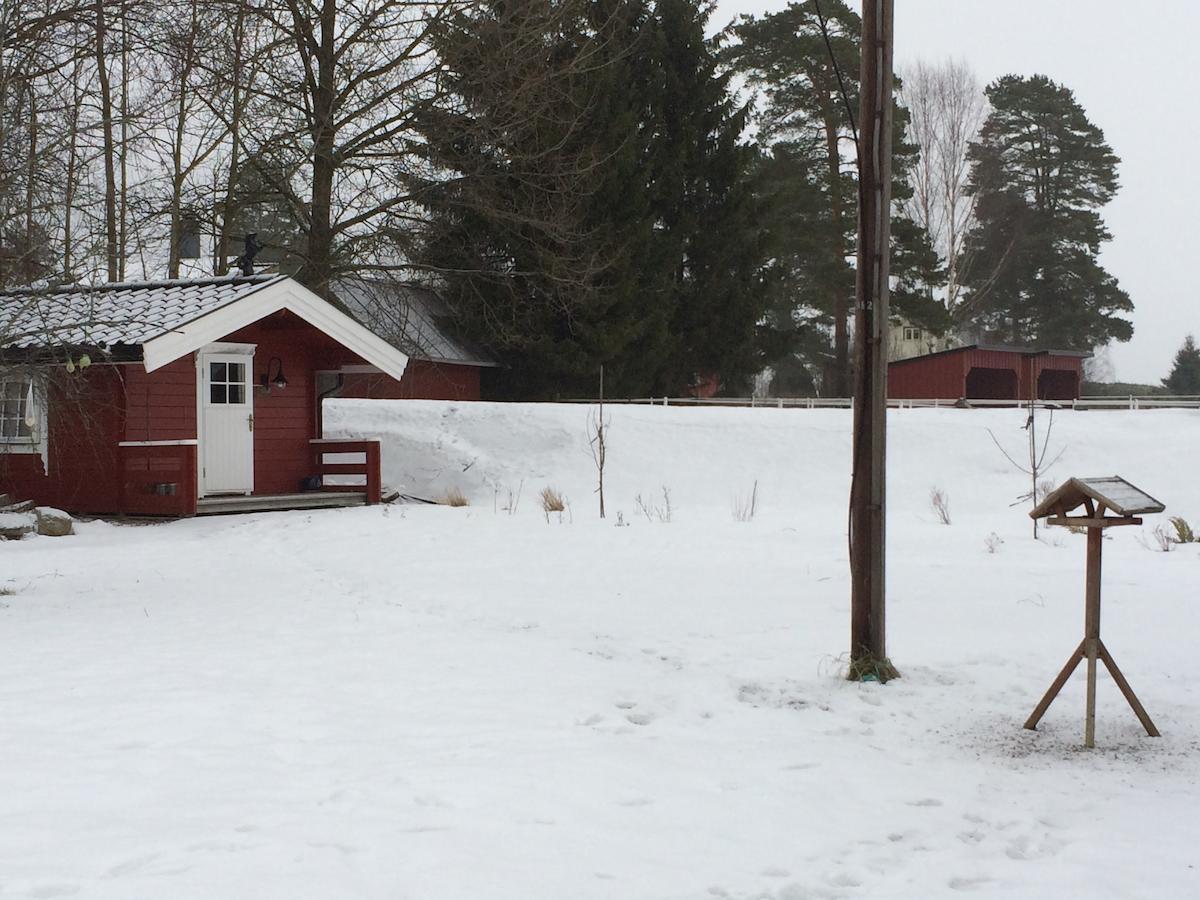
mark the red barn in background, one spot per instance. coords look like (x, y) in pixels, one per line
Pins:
(980, 372)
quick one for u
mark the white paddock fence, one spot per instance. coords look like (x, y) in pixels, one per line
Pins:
(1132, 402)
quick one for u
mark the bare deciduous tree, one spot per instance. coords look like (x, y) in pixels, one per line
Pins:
(948, 107)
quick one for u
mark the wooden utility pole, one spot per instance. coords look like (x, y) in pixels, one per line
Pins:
(868, 508)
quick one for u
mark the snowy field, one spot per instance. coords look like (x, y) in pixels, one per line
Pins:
(426, 702)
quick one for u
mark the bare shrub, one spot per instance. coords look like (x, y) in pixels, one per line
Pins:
(744, 507)
(940, 502)
(455, 497)
(1044, 489)
(1183, 531)
(654, 511)
(512, 499)
(993, 542)
(1163, 539)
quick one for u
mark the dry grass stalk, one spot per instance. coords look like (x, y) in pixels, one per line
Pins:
(941, 504)
(1163, 538)
(1183, 531)
(744, 508)
(455, 497)
(552, 500)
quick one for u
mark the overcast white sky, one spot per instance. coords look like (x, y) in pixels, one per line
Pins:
(1131, 65)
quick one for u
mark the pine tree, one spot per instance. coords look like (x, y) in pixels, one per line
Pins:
(805, 113)
(599, 209)
(1040, 172)
(1185, 373)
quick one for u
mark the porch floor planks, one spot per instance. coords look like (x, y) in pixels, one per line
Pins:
(210, 506)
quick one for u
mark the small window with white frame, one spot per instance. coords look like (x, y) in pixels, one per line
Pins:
(911, 333)
(20, 408)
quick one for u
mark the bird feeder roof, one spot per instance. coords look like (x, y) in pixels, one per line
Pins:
(1115, 494)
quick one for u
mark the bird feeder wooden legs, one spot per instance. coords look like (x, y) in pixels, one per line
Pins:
(1092, 649)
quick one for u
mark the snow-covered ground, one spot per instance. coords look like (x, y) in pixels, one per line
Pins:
(425, 702)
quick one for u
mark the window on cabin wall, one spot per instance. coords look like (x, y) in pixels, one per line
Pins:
(22, 410)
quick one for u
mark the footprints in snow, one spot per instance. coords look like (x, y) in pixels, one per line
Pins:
(629, 715)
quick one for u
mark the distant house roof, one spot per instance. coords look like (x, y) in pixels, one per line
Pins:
(996, 348)
(169, 319)
(409, 316)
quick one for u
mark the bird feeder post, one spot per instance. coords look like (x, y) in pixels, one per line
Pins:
(1097, 497)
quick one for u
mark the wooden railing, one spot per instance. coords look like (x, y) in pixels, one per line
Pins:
(158, 478)
(367, 467)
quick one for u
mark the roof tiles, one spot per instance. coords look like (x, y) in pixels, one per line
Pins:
(110, 314)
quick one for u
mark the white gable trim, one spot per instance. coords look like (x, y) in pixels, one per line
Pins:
(284, 294)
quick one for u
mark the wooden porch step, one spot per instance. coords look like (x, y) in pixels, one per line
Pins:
(210, 506)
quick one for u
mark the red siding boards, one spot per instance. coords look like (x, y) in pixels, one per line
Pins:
(423, 380)
(947, 375)
(86, 420)
(161, 405)
(940, 376)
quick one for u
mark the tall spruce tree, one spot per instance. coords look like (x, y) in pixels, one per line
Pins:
(1041, 171)
(1185, 372)
(805, 60)
(589, 196)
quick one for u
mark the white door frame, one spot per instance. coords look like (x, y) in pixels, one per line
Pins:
(227, 348)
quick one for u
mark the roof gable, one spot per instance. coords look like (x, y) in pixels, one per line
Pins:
(173, 318)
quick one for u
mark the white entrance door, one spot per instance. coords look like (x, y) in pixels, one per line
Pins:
(226, 422)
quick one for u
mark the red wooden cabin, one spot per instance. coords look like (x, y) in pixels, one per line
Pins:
(979, 372)
(173, 398)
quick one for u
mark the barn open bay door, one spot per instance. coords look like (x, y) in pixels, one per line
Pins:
(225, 419)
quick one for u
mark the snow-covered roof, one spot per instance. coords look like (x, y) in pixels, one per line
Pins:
(130, 313)
(409, 316)
(169, 319)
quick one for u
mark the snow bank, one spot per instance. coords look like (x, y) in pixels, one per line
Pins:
(433, 703)
(708, 458)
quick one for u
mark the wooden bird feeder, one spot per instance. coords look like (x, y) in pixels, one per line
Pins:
(1106, 503)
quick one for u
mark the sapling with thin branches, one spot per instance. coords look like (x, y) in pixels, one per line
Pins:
(598, 442)
(1038, 449)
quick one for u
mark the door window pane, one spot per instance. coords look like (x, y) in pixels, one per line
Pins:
(237, 393)
(217, 394)
(216, 371)
(237, 373)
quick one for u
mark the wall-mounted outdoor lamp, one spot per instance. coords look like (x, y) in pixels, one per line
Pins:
(266, 382)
